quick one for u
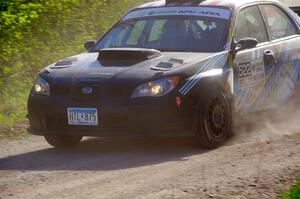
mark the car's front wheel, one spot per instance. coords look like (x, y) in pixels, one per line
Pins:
(214, 120)
(62, 141)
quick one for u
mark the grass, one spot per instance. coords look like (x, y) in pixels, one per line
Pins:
(47, 39)
(293, 192)
(17, 131)
(13, 106)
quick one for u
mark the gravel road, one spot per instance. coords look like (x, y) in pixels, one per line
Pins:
(260, 161)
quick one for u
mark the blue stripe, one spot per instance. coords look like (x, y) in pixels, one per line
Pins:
(196, 78)
(199, 71)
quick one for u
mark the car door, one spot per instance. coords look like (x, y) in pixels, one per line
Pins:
(250, 65)
(284, 34)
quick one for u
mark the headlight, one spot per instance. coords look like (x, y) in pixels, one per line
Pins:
(41, 87)
(156, 88)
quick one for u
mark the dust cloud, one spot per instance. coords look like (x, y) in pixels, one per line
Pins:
(266, 125)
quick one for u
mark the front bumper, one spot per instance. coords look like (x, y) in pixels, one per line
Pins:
(140, 116)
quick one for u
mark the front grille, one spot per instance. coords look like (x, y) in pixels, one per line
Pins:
(57, 123)
(118, 92)
(99, 92)
(115, 121)
(60, 90)
(96, 94)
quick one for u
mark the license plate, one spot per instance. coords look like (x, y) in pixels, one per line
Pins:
(83, 116)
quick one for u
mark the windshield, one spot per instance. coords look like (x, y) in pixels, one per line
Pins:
(195, 29)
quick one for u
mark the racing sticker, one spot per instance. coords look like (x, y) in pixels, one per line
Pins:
(251, 74)
(179, 11)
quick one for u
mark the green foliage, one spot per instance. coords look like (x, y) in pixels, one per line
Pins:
(18, 14)
(35, 33)
(293, 193)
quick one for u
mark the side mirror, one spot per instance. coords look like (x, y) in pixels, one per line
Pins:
(89, 45)
(245, 43)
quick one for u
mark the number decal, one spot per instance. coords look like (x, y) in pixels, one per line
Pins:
(250, 74)
(245, 69)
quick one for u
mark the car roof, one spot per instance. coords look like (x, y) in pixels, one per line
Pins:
(234, 4)
(291, 3)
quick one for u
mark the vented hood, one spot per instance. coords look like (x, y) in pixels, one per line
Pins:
(126, 56)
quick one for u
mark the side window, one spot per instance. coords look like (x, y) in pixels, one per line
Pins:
(250, 24)
(278, 22)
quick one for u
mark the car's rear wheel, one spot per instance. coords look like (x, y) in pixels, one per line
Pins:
(214, 120)
(62, 141)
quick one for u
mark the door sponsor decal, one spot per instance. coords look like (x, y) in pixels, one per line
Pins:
(251, 73)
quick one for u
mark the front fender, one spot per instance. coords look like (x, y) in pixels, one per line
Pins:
(211, 79)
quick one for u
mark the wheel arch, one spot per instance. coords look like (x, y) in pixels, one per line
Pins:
(212, 82)
(206, 84)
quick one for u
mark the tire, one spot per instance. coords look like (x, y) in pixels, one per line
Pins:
(60, 141)
(214, 119)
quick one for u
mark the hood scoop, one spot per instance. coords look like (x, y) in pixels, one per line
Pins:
(126, 56)
(64, 63)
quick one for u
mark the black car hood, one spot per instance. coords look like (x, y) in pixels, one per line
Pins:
(87, 67)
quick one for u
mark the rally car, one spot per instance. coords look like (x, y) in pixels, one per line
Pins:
(172, 68)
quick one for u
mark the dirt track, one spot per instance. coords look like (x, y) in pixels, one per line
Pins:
(259, 162)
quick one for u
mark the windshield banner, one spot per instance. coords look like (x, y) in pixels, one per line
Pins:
(179, 11)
